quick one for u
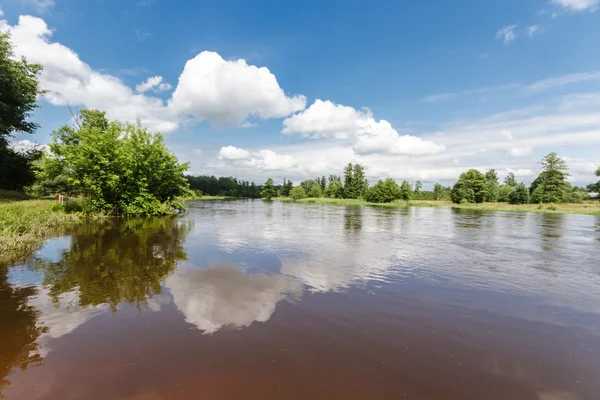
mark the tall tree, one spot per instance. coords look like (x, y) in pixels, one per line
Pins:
(470, 187)
(19, 90)
(268, 191)
(491, 185)
(418, 187)
(349, 181)
(334, 189)
(406, 191)
(323, 183)
(551, 185)
(361, 184)
(510, 179)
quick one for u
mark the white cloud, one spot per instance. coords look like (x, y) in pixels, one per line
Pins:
(223, 296)
(26, 144)
(533, 29)
(154, 83)
(233, 153)
(507, 33)
(227, 92)
(578, 5)
(520, 151)
(210, 88)
(368, 136)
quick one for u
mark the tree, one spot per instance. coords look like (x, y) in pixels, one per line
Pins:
(470, 187)
(19, 89)
(298, 193)
(268, 191)
(491, 185)
(510, 179)
(315, 192)
(383, 192)
(361, 184)
(504, 193)
(323, 183)
(406, 191)
(418, 187)
(519, 194)
(334, 189)
(551, 185)
(116, 167)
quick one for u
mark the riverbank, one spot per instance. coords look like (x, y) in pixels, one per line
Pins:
(587, 208)
(25, 224)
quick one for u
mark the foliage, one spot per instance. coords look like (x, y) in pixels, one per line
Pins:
(418, 187)
(551, 185)
(510, 179)
(287, 187)
(334, 189)
(383, 192)
(469, 188)
(224, 186)
(406, 191)
(491, 186)
(118, 168)
(268, 191)
(442, 193)
(315, 192)
(19, 89)
(504, 193)
(519, 194)
(298, 193)
(355, 182)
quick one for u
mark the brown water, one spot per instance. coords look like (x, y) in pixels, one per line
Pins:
(253, 300)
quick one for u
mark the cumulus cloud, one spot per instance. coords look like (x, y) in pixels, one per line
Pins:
(578, 5)
(223, 295)
(210, 88)
(368, 136)
(26, 145)
(507, 33)
(227, 92)
(233, 153)
(154, 83)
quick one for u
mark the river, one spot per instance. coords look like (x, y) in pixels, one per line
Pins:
(248, 299)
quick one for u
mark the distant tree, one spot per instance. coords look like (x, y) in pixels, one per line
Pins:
(504, 193)
(298, 193)
(491, 185)
(519, 194)
(510, 180)
(418, 187)
(361, 184)
(334, 178)
(406, 191)
(383, 192)
(315, 192)
(595, 187)
(268, 191)
(470, 187)
(349, 181)
(288, 188)
(334, 190)
(551, 185)
(323, 183)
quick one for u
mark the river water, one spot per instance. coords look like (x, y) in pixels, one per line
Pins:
(248, 299)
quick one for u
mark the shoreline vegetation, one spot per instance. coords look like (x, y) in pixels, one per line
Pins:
(585, 208)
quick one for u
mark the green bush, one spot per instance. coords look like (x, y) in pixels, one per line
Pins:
(298, 193)
(470, 187)
(519, 195)
(383, 192)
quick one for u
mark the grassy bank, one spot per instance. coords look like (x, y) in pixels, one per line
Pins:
(25, 224)
(589, 208)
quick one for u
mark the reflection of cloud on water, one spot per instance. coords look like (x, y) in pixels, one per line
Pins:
(63, 319)
(224, 295)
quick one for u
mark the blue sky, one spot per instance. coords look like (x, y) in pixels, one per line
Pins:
(412, 90)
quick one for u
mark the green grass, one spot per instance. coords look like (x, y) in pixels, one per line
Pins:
(25, 224)
(589, 207)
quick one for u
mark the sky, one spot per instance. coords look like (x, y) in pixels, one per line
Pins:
(416, 90)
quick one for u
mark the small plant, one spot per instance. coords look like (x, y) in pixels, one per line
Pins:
(540, 206)
(553, 207)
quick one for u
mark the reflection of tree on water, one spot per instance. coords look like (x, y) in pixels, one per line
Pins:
(18, 329)
(353, 220)
(123, 260)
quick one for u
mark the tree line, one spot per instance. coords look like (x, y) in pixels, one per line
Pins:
(473, 186)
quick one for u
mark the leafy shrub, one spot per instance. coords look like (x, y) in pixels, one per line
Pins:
(383, 192)
(519, 195)
(298, 193)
